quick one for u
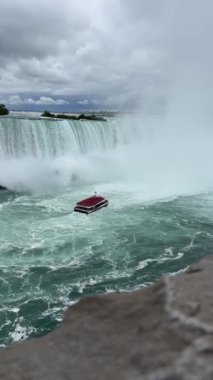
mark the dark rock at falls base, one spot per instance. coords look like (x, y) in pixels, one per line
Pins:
(163, 332)
(2, 188)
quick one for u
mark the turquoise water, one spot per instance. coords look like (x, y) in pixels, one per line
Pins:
(50, 256)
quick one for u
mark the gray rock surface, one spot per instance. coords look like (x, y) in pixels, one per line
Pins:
(163, 332)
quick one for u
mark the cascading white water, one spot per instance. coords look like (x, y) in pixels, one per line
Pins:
(43, 138)
(139, 156)
(41, 154)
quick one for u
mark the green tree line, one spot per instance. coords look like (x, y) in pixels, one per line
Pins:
(3, 110)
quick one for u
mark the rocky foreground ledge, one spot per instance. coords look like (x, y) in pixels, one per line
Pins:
(163, 332)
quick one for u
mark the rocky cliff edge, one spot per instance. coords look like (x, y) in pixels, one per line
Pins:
(163, 332)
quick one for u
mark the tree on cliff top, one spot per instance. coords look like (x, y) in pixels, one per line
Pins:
(3, 110)
(47, 114)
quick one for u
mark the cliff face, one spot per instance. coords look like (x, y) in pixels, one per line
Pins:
(159, 333)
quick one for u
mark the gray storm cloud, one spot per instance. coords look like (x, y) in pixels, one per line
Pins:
(120, 50)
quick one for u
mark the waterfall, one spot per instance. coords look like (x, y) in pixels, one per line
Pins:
(39, 154)
(153, 156)
(43, 138)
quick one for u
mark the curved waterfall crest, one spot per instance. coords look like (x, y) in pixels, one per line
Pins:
(43, 138)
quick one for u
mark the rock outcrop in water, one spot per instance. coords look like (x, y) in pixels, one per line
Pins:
(163, 332)
(3, 188)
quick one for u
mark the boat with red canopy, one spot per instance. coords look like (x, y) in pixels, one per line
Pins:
(88, 205)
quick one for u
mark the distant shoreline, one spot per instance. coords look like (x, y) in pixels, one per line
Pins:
(82, 116)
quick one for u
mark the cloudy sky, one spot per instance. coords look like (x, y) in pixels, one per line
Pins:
(102, 54)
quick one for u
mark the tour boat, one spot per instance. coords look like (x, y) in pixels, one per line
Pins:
(88, 205)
